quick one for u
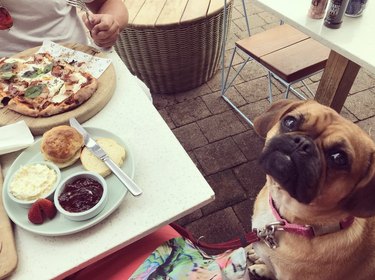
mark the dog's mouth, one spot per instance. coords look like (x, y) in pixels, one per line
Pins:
(293, 161)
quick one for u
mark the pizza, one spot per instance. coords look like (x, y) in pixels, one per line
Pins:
(41, 85)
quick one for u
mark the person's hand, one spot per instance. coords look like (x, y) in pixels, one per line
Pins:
(103, 28)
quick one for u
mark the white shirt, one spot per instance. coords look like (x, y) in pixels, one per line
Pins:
(36, 20)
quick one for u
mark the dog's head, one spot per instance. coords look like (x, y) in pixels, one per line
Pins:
(318, 157)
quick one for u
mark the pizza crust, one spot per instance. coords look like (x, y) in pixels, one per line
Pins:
(19, 107)
(87, 91)
(77, 99)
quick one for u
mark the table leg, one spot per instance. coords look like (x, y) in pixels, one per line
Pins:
(337, 79)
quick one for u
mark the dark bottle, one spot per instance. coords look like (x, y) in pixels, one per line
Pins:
(335, 12)
(317, 9)
(355, 8)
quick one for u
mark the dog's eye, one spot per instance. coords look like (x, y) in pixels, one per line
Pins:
(290, 123)
(338, 159)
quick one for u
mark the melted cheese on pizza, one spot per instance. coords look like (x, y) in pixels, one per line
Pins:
(39, 73)
(78, 79)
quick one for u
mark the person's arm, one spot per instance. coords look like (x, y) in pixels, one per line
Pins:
(109, 18)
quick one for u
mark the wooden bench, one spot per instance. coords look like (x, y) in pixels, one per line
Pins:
(173, 45)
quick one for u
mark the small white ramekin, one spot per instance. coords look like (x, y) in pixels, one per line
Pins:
(49, 194)
(87, 214)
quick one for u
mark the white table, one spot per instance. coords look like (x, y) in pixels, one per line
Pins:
(172, 188)
(352, 45)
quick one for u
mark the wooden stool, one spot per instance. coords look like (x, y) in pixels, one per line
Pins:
(173, 46)
(287, 52)
(289, 55)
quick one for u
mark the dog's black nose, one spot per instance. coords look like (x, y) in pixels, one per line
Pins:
(302, 144)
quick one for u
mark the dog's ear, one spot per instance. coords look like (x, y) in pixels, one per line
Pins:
(361, 203)
(264, 122)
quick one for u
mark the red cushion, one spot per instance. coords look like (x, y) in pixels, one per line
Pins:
(122, 264)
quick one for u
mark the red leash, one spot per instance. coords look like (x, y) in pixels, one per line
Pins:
(267, 234)
(247, 239)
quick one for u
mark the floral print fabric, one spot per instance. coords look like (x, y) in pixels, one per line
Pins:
(179, 259)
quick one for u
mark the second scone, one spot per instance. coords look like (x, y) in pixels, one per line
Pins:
(114, 150)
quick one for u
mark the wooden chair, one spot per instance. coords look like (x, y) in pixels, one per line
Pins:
(289, 56)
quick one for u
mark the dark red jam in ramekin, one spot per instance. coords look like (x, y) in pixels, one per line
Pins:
(80, 195)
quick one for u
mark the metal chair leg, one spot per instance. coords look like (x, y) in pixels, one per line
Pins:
(226, 84)
(308, 88)
(270, 86)
(238, 110)
(224, 81)
(287, 91)
(297, 93)
(223, 44)
(246, 18)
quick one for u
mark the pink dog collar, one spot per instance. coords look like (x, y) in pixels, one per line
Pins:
(309, 231)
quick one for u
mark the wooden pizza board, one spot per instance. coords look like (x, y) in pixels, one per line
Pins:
(8, 253)
(106, 88)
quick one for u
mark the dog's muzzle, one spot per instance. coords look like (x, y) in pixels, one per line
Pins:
(293, 161)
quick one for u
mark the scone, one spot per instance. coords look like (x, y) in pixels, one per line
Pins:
(114, 150)
(62, 145)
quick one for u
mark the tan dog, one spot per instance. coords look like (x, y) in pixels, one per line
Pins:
(321, 180)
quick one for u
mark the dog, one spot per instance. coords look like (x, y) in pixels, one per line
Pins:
(315, 214)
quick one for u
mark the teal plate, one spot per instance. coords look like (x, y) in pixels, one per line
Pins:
(59, 225)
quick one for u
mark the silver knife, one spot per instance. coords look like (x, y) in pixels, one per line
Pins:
(94, 147)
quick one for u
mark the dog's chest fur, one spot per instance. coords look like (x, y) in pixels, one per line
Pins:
(334, 256)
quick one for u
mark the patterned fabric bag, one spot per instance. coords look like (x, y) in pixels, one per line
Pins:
(180, 259)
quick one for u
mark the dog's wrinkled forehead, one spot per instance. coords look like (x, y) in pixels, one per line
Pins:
(302, 116)
(315, 120)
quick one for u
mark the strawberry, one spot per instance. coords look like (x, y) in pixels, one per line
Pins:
(41, 209)
(48, 208)
(35, 214)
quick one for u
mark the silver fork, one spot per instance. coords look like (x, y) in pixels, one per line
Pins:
(81, 5)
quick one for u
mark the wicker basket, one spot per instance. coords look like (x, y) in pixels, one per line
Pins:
(174, 58)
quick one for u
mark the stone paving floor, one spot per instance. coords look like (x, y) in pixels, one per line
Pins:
(224, 147)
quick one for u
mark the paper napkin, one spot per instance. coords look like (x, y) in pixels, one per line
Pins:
(93, 64)
(14, 137)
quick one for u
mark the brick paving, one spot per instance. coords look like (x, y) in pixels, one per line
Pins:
(224, 147)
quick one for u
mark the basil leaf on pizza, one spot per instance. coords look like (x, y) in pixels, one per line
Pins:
(41, 86)
(48, 68)
(34, 91)
(32, 73)
(6, 67)
(7, 76)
